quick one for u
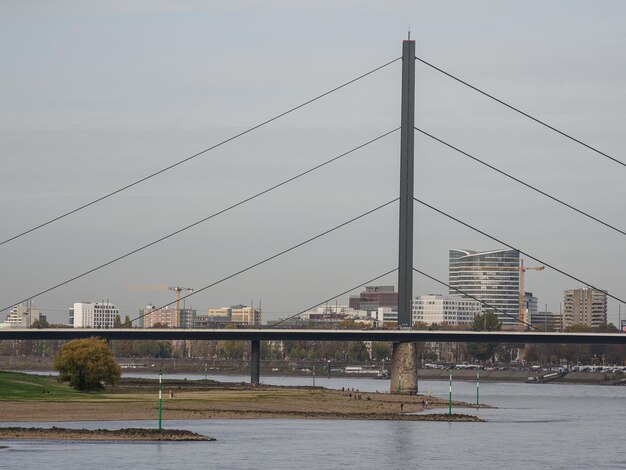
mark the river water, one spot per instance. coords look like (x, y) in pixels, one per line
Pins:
(535, 426)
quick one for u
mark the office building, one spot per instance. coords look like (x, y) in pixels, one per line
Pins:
(94, 315)
(21, 316)
(449, 309)
(332, 313)
(530, 306)
(374, 297)
(238, 314)
(245, 315)
(186, 318)
(492, 277)
(584, 306)
(386, 316)
(166, 317)
(547, 321)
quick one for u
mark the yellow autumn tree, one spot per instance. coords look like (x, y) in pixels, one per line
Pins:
(87, 364)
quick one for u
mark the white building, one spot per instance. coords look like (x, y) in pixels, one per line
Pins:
(450, 309)
(21, 317)
(94, 315)
(331, 312)
(386, 315)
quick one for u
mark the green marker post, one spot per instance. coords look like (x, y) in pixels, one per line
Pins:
(160, 398)
(477, 389)
(450, 397)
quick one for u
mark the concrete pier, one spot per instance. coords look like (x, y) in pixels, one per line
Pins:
(255, 362)
(404, 369)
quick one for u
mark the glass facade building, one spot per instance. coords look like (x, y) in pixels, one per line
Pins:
(489, 276)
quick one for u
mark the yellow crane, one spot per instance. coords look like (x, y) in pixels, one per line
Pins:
(522, 293)
(176, 289)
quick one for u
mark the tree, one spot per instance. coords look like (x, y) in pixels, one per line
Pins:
(87, 364)
(150, 348)
(483, 351)
(117, 323)
(381, 350)
(357, 351)
(122, 347)
(487, 322)
(40, 324)
(231, 348)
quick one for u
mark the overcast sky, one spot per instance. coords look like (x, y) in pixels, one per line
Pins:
(96, 95)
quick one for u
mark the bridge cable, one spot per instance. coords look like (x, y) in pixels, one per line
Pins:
(477, 299)
(543, 193)
(521, 112)
(276, 255)
(332, 298)
(240, 134)
(522, 252)
(198, 222)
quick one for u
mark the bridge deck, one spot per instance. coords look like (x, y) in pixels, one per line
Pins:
(264, 334)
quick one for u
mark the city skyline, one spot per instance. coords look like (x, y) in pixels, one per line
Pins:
(98, 96)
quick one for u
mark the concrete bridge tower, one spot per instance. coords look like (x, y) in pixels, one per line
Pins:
(404, 365)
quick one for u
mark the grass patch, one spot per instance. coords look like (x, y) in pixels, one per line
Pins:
(15, 386)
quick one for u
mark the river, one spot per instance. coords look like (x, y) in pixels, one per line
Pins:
(534, 426)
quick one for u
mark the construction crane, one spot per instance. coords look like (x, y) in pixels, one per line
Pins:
(522, 293)
(176, 289)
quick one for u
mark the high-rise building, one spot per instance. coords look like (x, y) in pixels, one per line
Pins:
(530, 306)
(584, 306)
(450, 309)
(163, 316)
(186, 317)
(374, 297)
(94, 315)
(491, 277)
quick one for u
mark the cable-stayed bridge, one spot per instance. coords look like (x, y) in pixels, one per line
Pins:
(404, 264)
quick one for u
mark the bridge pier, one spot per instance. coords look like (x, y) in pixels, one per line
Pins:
(255, 362)
(404, 368)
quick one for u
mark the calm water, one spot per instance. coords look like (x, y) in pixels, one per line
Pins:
(534, 426)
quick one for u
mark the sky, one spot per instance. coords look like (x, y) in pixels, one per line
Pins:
(97, 95)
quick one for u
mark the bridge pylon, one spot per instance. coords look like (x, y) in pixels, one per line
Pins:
(404, 364)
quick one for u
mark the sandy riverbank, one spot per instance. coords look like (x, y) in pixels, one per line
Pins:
(128, 434)
(232, 401)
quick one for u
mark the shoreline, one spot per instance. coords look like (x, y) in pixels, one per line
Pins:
(222, 367)
(510, 376)
(189, 406)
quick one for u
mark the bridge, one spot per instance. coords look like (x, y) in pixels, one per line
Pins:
(278, 334)
(255, 336)
(404, 339)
